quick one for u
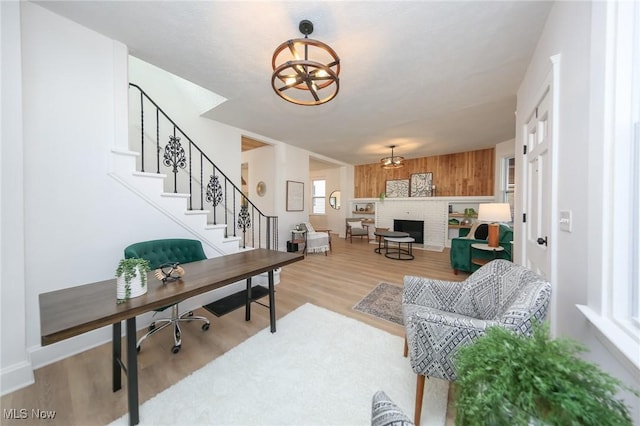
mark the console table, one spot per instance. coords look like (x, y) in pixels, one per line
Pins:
(76, 310)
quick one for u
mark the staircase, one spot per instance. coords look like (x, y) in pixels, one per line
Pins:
(169, 171)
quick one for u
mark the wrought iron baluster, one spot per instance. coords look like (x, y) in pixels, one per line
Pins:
(158, 149)
(214, 194)
(190, 179)
(244, 221)
(174, 157)
(142, 132)
(201, 185)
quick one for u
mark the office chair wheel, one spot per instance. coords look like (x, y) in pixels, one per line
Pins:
(152, 326)
(175, 349)
(205, 326)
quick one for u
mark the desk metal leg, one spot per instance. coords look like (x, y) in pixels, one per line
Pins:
(247, 306)
(272, 302)
(132, 372)
(116, 352)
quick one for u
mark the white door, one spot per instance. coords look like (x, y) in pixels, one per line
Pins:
(538, 175)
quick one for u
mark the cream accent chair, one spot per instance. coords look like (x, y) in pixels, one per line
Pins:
(316, 242)
(355, 228)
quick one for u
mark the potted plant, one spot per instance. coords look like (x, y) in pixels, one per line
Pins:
(510, 379)
(131, 276)
(469, 215)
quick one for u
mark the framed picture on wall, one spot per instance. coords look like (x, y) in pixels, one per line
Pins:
(397, 188)
(295, 196)
(421, 184)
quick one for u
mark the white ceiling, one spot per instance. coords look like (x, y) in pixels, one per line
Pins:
(430, 77)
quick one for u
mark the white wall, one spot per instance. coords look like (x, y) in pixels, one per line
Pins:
(184, 102)
(15, 363)
(332, 219)
(77, 218)
(73, 219)
(568, 33)
(259, 163)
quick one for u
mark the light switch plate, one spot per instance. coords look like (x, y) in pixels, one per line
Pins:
(565, 220)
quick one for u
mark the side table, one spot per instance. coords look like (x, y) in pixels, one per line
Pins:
(484, 247)
(299, 237)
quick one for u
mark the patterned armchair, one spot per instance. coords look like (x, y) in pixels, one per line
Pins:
(442, 316)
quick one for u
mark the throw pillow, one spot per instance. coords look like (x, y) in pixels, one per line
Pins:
(482, 232)
(355, 224)
(472, 231)
(309, 227)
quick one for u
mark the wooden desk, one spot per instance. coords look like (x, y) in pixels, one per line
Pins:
(72, 311)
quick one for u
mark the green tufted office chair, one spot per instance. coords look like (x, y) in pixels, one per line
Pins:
(159, 252)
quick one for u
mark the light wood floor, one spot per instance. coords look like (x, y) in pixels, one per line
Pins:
(78, 388)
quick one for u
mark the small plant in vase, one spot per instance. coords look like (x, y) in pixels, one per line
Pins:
(131, 277)
(469, 215)
(510, 379)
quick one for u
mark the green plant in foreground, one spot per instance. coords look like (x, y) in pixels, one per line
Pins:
(128, 268)
(510, 379)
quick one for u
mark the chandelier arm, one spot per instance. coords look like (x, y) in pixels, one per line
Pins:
(312, 89)
(292, 49)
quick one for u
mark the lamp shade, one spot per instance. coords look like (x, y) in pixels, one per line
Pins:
(494, 212)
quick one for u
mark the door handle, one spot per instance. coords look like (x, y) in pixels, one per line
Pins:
(542, 241)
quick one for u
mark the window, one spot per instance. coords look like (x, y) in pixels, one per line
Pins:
(614, 296)
(318, 196)
(624, 294)
(509, 182)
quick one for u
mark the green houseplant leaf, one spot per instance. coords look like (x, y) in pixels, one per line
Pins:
(510, 379)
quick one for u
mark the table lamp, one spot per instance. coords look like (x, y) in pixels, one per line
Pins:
(494, 213)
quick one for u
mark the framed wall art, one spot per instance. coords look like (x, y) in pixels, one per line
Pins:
(397, 188)
(295, 196)
(422, 184)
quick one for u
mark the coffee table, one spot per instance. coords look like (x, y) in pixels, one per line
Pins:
(387, 234)
(400, 253)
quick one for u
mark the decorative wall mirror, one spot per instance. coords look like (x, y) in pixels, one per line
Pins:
(334, 200)
(261, 188)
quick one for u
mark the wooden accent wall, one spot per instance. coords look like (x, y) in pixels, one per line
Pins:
(462, 174)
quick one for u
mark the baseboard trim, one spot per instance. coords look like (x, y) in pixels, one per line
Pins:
(16, 377)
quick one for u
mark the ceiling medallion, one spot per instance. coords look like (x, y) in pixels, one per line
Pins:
(305, 71)
(392, 162)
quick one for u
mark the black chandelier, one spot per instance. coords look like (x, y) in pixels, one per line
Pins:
(392, 162)
(305, 71)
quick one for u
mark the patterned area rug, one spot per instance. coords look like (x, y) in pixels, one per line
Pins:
(384, 301)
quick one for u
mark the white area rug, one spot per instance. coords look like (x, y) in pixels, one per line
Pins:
(319, 368)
